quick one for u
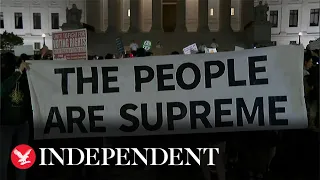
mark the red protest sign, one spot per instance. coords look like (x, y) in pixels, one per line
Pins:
(70, 45)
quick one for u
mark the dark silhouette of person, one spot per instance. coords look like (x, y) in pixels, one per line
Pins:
(16, 110)
(175, 53)
(109, 56)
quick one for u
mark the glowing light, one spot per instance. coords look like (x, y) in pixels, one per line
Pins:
(232, 11)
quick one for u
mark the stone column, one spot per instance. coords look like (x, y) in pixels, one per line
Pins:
(93, 13)
(247, 12)
(114, 16)
(225, 16)
(181, 16)
(203, 16)
(156, 15)
(135, 16)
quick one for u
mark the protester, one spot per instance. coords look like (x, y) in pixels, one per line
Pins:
(202, 47)
(314, 94)
(109, 56)
(16, 111)
(216, 140)
(134, 47)
(141, 52)
(307, 86)
(149, 53)
(311, 83)
(214, 43)
(159, 45)
(307, 63)
(256, 151)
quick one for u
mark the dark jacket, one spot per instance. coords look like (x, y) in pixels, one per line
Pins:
(15, 100)
(313, 81)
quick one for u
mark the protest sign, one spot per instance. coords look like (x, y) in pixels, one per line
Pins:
(120, 46)
(147, 45)
(210, 50)
(70, 45)
(229, 91)
(191, 49)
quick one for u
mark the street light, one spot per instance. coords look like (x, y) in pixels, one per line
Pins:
(300, 34)
(44, 39)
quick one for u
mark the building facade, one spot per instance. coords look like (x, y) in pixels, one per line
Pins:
(294, 20)
(30, 19)
(168, 11)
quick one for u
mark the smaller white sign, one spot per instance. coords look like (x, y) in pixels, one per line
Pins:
(24, 49)
(191, 49)
(210, 50)
(147, 45)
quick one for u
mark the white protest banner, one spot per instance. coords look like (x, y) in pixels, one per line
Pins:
(191, 49)
(257, 89)
(70, 45)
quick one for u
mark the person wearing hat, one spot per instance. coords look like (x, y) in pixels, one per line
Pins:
(16, 110)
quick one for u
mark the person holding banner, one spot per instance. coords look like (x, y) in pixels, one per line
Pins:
(311, 84)
(314, 94)
(307, 86)
(15, 112)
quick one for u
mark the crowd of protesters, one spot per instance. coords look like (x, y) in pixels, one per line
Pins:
(247, 155)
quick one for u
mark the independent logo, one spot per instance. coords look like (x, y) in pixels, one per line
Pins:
(23, 156)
